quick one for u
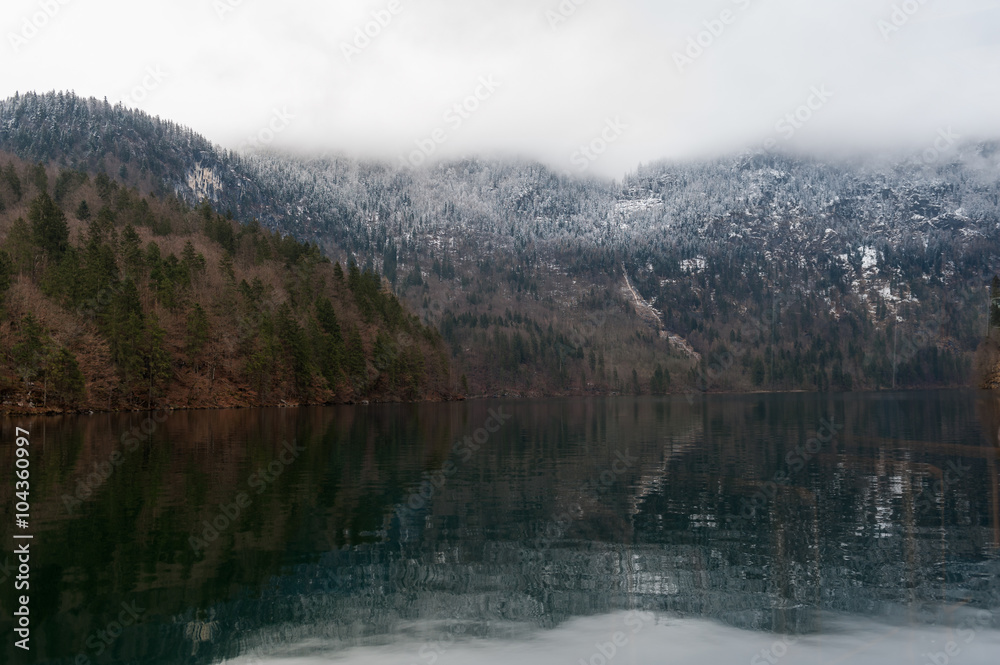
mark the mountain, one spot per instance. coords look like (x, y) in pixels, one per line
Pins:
(758, 271)
(112, 300)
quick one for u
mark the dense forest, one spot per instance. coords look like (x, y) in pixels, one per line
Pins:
(110, 299)
(759, 271)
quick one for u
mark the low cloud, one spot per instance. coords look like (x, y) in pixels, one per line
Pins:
(900, 70)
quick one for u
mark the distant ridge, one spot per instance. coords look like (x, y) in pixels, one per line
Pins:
(769, 271)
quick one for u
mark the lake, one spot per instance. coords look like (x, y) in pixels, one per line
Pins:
(802, 528)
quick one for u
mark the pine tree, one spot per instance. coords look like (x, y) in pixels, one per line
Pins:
(415, 278)
(226, 267)
(192, 261)
(355, 363)
(328, 342)
(131, 252)
(154, 357)
(412, 367)
(39, 178)
(294, 342)
(389, 262)
(29, 353)
(83, 211)
(100, 270)
(48, 226)
(65, 376)
(661, 379)
(327, 317)
(197, 333)
(13, 182)
(995, 302)
(105, 187)
(21, 245)
(6, 275)
(123, 325)
(384, 357)
(260, 364)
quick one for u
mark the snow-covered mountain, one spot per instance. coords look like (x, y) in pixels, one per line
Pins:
(752, 271)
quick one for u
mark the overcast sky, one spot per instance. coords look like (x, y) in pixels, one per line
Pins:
(627, 77)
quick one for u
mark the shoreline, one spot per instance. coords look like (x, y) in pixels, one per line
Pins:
(442, 399)
(62, 411)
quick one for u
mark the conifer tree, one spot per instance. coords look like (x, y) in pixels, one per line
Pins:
(100, 269)
(29, 352)
(39, 178)
(197, 333)
(123, 326)
(260, 363)
(83, 211)
(328, 342)
(355, 357)
(154, 357)
(6, 275)
(294, 342)
(65, 376)
(48, 226)
(13, 182)
(131, 252)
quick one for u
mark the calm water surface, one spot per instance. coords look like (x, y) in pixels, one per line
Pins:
(754, 529)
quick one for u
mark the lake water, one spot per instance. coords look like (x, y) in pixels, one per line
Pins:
(747, 529)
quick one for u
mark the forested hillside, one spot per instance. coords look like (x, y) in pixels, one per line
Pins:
(111, 299)
(758, 271)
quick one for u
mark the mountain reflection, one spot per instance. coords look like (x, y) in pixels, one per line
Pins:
(416, 525)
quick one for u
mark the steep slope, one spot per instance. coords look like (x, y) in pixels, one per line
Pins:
(114, 300)
(764, 271)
